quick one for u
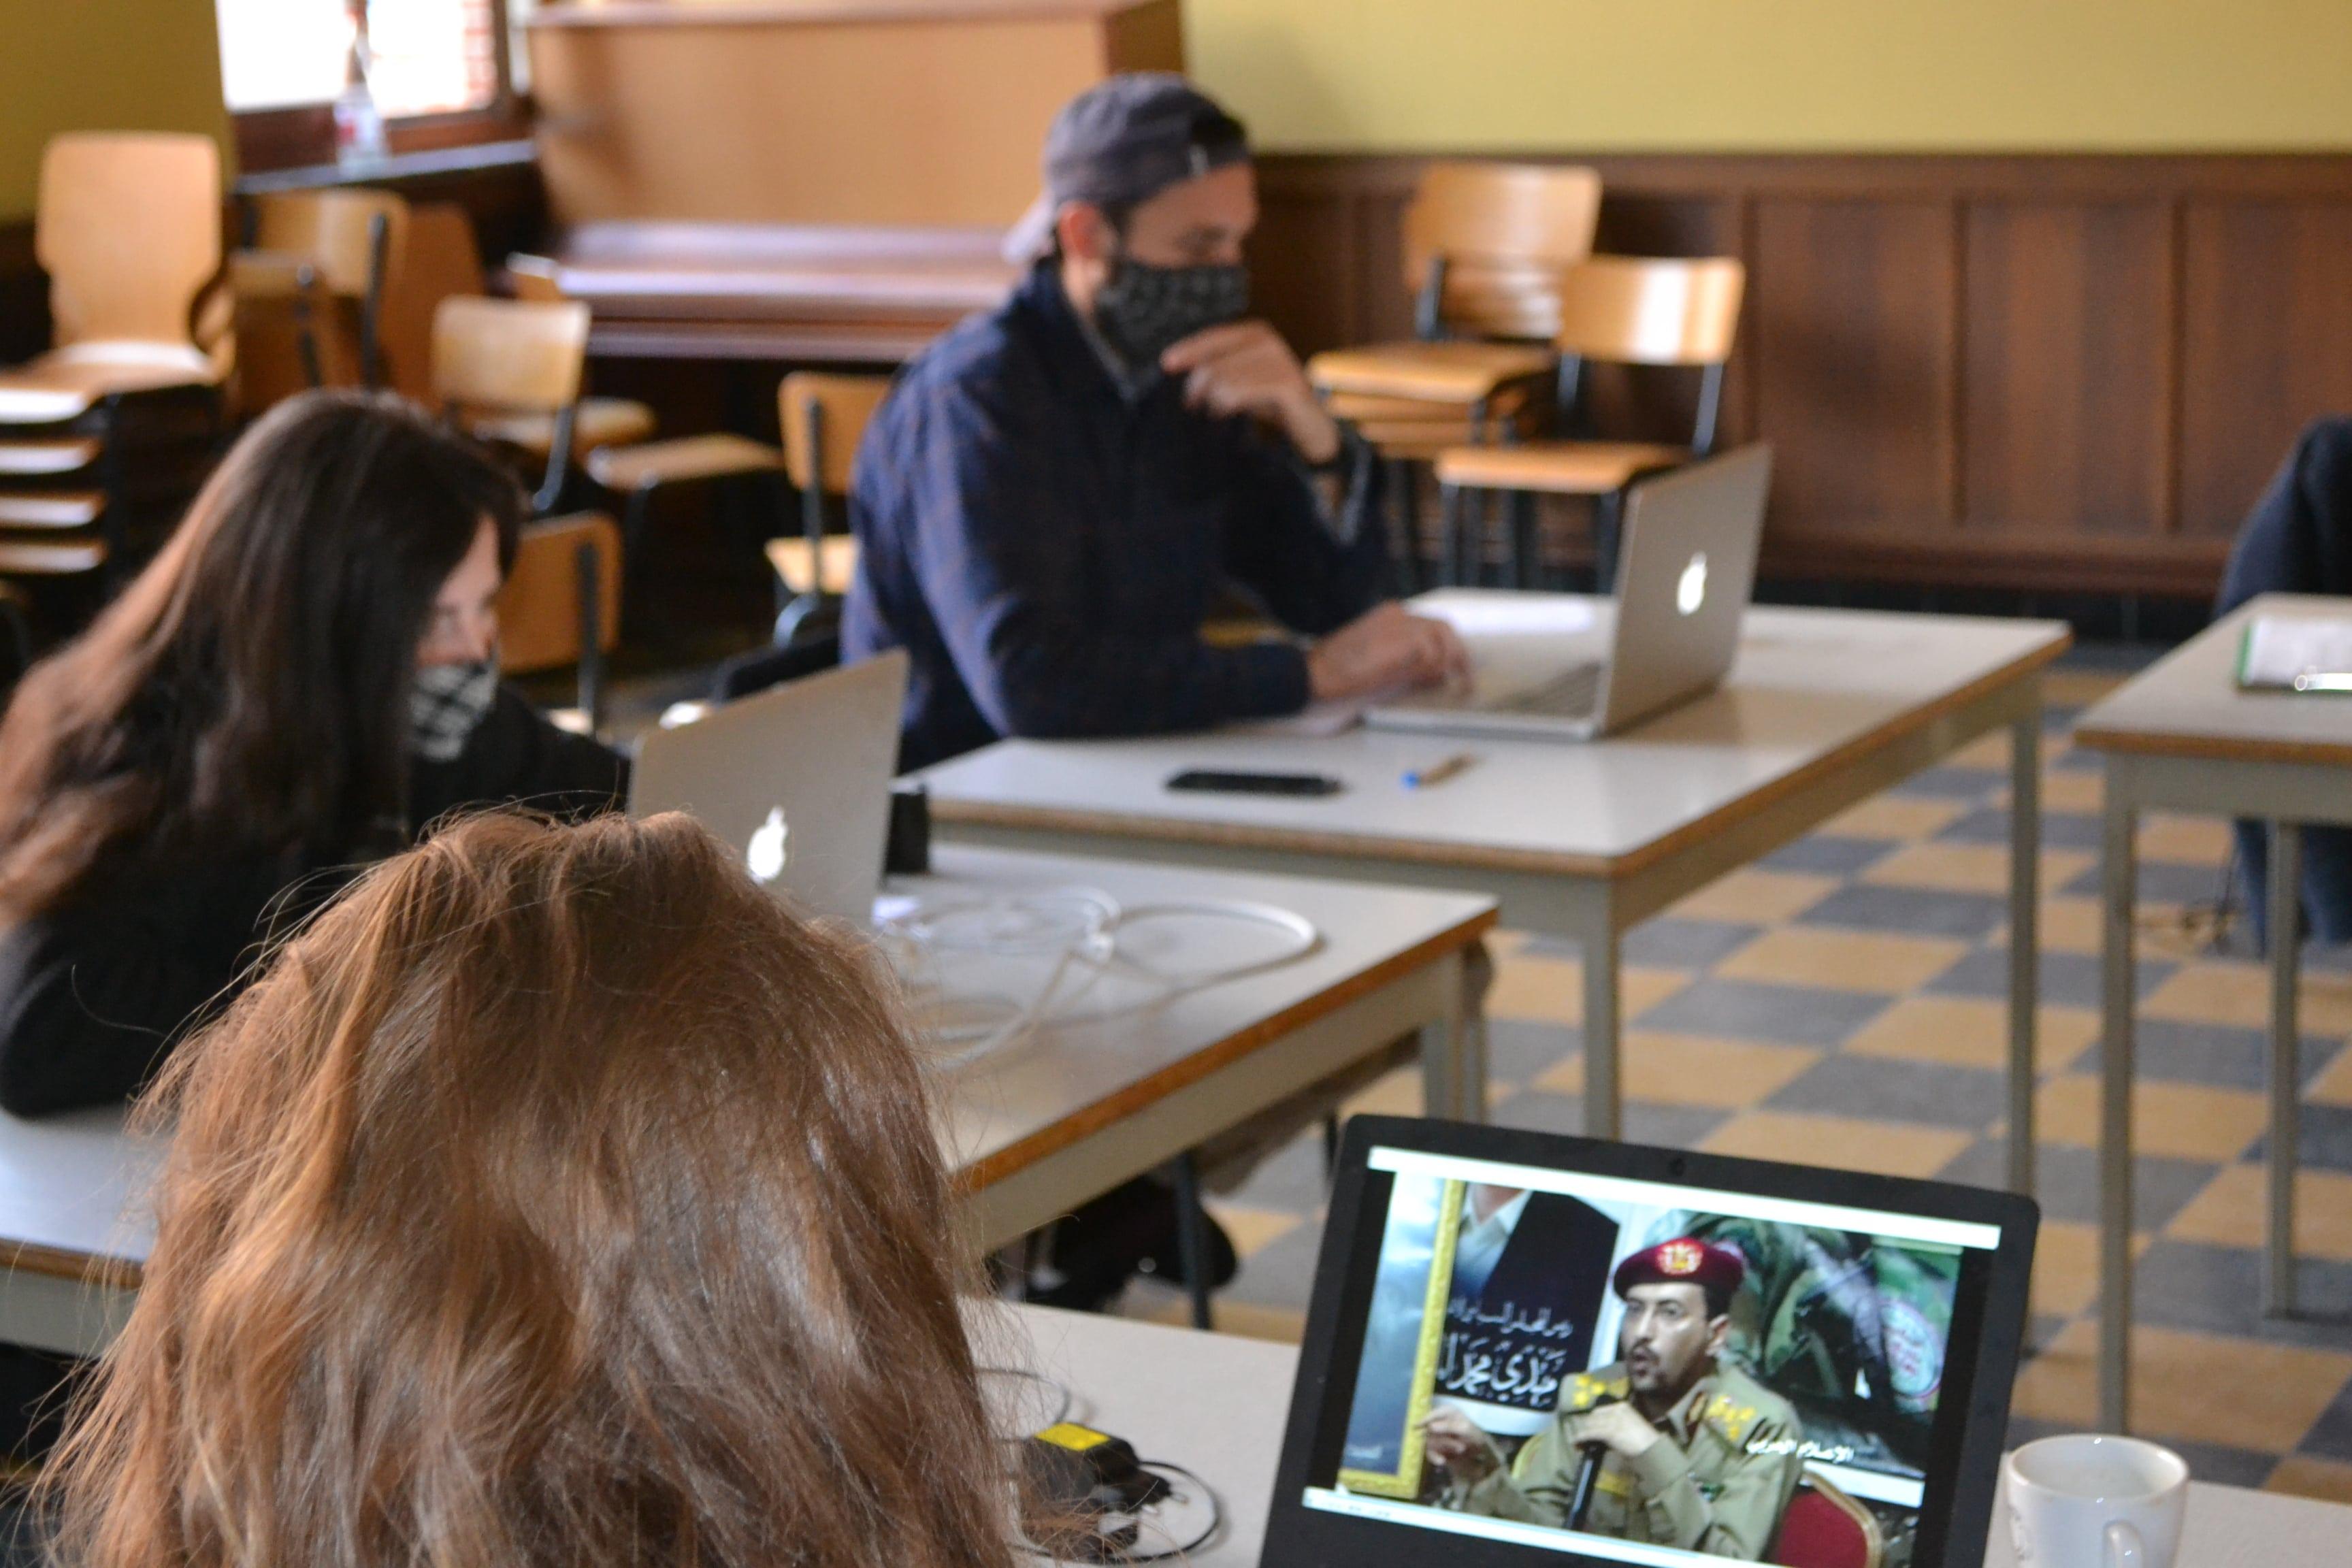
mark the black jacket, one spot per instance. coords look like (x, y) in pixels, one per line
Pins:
(93, 993)
(2298, 540)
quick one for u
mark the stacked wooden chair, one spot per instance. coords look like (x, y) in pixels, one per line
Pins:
(1485, 248)
(128, 228)
(311, 284)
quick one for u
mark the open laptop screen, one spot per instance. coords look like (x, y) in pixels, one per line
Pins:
(1560, 1360)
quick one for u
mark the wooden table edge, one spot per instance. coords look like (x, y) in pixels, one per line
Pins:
(1364, 846)
(2210, 748)
(83, 1267)
(1190, 1069)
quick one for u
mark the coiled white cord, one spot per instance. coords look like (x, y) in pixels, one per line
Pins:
(1082, 937)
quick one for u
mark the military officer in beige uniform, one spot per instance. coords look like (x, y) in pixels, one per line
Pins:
(1693, 1452)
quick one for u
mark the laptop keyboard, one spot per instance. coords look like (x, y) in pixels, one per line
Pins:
(1573, 694)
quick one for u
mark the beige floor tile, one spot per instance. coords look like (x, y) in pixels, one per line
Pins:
(2075, 925)
(2248, 1394)
(1391, 1094)
(2333, 1086)
(1973, 1031)
(1967, 868)
(1252, 1229)
(1693, 1070)
(1754, 896)
(2084, 794)
(2184, 840)
(1898, 817)
(2182, 1120)
(2300, 1475)
(1535, 989)
(2065, 1269)
(1984, 751)
(2067, 925)
(2236, 992)
(2229, 1212)
(1880, 962)
(1890, 1148)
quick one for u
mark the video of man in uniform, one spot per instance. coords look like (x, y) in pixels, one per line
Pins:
(1685, 1375)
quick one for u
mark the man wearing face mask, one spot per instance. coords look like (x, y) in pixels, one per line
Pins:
(1056, 494)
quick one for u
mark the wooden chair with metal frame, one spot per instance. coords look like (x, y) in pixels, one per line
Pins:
(499, 361)
(604, 422)
(636, 471)
(317, 266)
(128, 228)
(561, 605)
(824, 418)
(1485, 246)
(1620, 309)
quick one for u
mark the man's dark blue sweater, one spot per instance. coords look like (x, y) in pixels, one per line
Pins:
(1044, 537)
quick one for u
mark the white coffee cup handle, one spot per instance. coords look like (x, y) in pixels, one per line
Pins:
(2124, 1548)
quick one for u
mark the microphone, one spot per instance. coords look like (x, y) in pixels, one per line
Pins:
(1587, 1472)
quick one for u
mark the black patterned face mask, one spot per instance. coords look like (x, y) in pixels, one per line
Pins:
(1144, 308)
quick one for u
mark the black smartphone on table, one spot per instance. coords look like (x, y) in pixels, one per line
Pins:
(1213, 781)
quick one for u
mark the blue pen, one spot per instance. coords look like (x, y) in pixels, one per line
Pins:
(1437, 772)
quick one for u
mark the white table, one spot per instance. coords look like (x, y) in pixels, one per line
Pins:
(1823, 708)
(1217, 1405)
(2181, 736)
(1035, 1128)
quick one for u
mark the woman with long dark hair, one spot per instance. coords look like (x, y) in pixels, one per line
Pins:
(556, 1198)
(301, 680)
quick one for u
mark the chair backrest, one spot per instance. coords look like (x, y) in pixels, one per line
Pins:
(539, 608)
(1631, 310)
(520, 355)
(440, 260)
(337, 232)
(535, 277)
(818, 454)
(1823, 1527)
(129, 230)
(1484, 244)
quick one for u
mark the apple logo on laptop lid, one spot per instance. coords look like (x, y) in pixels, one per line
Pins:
(768, 852)
(1690, 592)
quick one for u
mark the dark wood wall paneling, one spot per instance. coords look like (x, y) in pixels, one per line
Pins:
(2058, 371)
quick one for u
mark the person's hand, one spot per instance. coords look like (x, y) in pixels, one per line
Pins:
(1386, 647)
(1618, 1428)
(1453, 1442)
(1245, 367)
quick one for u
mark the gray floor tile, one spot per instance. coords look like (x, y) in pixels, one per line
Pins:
(1990, 825)
(1666, 1126)
(2160, 882)
(2325, 1138)
(1829, 855)
(2067, 1181)
(1953, 783)
(2217, 1290)
(1669, 942)
(1517, 1050)
(2075, 760)
(1753, 1010)
(2215, 1054)
(1289, 1181)
(1282, 1272)
(2330, 1436)
(1915, 910)
(1892, 1090)
(2067, 979)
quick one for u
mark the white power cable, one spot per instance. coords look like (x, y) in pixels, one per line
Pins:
(1083, 938)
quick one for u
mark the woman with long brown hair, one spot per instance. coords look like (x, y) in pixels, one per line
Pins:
(301, 678)
(557, 1197)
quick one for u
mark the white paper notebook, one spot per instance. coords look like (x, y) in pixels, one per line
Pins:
(2283, 654)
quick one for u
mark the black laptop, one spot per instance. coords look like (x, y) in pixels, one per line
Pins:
(1527, 1350)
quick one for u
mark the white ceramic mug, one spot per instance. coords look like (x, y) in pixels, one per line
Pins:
(2092, 1502)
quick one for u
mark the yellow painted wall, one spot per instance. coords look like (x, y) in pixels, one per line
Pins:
(1788, 75)
(100, 64)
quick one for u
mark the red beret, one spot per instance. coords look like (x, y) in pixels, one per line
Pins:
(1686, 1260)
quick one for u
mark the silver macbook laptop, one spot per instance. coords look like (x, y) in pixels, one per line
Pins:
(1562, 668)
(797, 777)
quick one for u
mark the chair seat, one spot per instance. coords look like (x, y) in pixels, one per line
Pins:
(1365, 407)
(40, 558)
(50, 508)
(1556, 468)
(790, 557)
(600, 422)
(66, 383)
(1454, 372)
(20, 459)
(681, 459)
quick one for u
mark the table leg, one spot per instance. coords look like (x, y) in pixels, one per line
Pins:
(2286, 945)
(1454, 1047)
(1193, 1237)
(2024, 938)
(2119, 878)
(1605, 1098)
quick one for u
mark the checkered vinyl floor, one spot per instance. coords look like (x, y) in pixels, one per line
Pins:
(1844, 1002)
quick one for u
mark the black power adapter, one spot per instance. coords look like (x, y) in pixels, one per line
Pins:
(1077, 1478)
